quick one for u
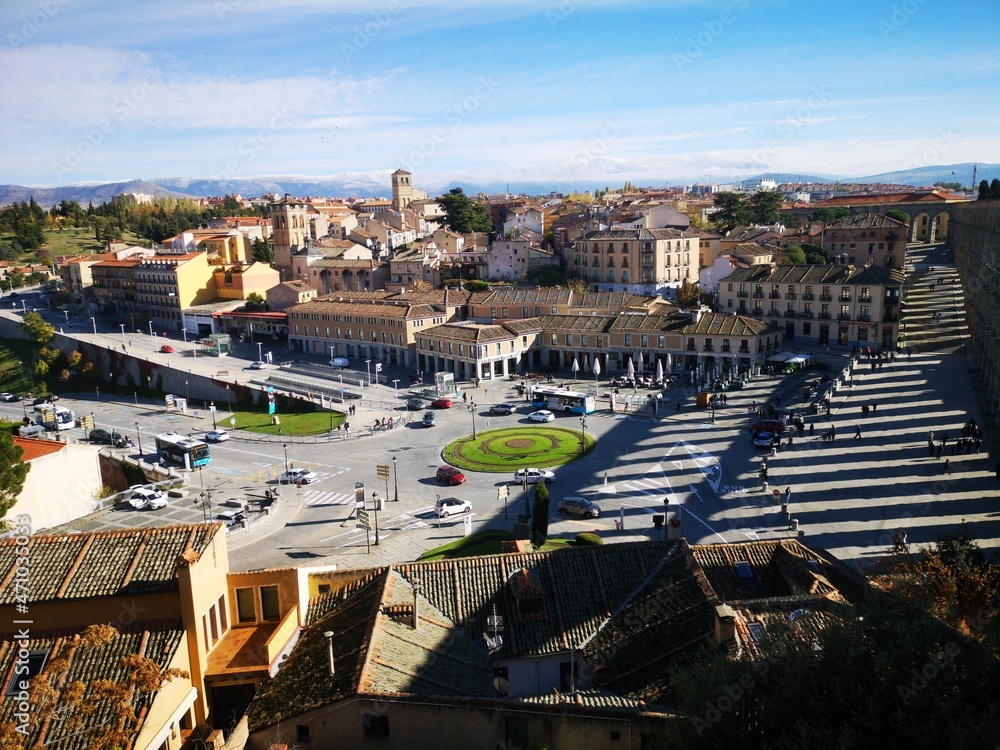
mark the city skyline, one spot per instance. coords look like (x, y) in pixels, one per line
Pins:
(556, 93)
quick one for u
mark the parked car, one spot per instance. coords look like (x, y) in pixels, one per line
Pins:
(442, 403)
(339, 362)
(534, 476)
(10, 397)
(504, 408)
(578, 506)
(115, 439)
(50, 399)
(450, 475)
(298, 476)
(146, 498)
(217, 436)
(166, 349)
(428, 420)
(542, 415)
(450, 506)
(414, 404)
(764, 439)
(258, 365)
(72, 324)
(768, 425)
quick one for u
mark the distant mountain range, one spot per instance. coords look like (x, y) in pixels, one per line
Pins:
(377, 184)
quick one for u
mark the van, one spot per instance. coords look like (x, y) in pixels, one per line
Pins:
(339, 362)
(32, 431)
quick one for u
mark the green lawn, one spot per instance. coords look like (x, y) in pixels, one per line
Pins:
(253, 419)
(14, 378)
(516, 447)
(77, 241)
(484, 543)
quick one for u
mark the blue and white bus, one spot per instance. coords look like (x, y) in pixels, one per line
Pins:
(185, 450)
(559, 399)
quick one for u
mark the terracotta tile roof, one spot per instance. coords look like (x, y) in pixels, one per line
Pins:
(34, 448)
(471, 333)
(521, 296)
(816, 274)
(728, 325)
(104, 563)
(117, 264)
(581, 323)
(916, 196)
(373, 307)
(749, 248)
(157, 641)
(867, 221)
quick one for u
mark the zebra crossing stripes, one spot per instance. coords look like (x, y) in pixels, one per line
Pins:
(319, 497)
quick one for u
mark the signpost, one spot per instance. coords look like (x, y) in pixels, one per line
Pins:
(382, 471)
(364, 522)
(502, 492)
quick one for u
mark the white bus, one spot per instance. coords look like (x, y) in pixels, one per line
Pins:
(54, 417)
(185, 450)
(560, 399)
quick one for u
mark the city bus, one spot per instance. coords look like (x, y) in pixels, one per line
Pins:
(54, 417)
(185, 450)
(559, 399)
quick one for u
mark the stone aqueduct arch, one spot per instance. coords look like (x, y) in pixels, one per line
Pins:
(929, 222)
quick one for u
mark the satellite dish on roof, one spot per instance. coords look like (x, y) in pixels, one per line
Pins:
(501, 685)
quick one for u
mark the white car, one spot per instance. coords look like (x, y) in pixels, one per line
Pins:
(578, 506)
(146, 498)
(543, 415)
(534, 476)
(339, 362)
(217, 436)
(449, 506)
(298, 476)
(258, 365)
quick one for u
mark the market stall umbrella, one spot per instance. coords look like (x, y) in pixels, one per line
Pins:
(659, 369)
(631, 369)
(586, 362)
(575, 368)
(640, 363)
(670, 363)
(597, 367)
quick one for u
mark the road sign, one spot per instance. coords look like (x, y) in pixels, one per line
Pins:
(502, 492)
(359, 494)
(232, 421)
(383, 471)
(364, 520)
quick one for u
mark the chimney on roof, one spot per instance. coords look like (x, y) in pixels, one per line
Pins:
(416, 600)
(725, 624)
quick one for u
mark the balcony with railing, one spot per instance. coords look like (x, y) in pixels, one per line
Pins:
(708, 347)
(865, 298)
(809, 296)
(791, 295)
(844, 316)
(826, 298)
(890, 317)
(744, 349)
(691, 348)
(805, 314)
(823, 316)
(865, 317)
(743, 293)
(789, 313)
(775, 312)
(774, 295)
(758, 295)
(844, 298)
(726, 348)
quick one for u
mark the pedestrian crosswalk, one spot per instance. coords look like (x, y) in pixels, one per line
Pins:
(319, 497)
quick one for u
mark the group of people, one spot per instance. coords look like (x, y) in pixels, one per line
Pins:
(899, 543)
(971, 439)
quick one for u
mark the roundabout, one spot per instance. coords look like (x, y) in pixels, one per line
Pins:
(511, 448)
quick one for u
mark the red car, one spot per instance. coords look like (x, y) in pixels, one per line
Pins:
(450, 475)
(442, 403)
(166, 349)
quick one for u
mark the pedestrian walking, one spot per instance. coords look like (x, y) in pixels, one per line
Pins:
(874, 406)
(947, 466)
(930, 448)
(857, 432)
(678, 407)
(938, 451)
(788, 495)
(812, 429)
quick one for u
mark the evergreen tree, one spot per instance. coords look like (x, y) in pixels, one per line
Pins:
(540, 515)
(984, 190)
(732, 211)
(995, 188)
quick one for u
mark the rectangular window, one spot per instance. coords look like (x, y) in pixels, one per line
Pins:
(269, 609)
(583, 340)
(244, 606)
(303, 733)
(223, 615)
(569, 339)
(35, 665)
(628, 339)
(376, 725)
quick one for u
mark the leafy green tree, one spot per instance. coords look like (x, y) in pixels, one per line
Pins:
(764, 206)
(254, 303)
(984, 191)
(12, 472)
(898, 215)
(995, 188)
(37, 328)
(733, 211)
(794, 254)
(476, 286)
(540, 515)
(829, 215)
(815, 254)
(464, 215)
(29, 234)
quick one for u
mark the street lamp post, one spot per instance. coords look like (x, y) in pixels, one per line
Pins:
(368, 364)
(187, 391)
(583, 431)
(260, 356)
(395, 392)
(472, 411)
(375, 504)
(229, 404)
(122, 326)
(94, 323)
(138, 436)
(284, 447)
(184, 331)
(151, 335)
(66, 313)
(395, 480)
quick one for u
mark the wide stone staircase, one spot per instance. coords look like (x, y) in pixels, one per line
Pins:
(934, 302)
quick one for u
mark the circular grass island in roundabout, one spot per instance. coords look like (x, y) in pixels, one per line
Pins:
(513, 448)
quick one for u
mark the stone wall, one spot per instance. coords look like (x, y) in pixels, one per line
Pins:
(975, 239)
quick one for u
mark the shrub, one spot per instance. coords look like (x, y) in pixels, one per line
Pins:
(586, 538)
(540, 515)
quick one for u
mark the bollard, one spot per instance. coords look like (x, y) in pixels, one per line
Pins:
(795, 524)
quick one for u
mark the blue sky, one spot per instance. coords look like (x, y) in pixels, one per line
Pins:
(519, 90)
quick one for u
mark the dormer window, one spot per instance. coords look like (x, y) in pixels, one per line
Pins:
(527, 594)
